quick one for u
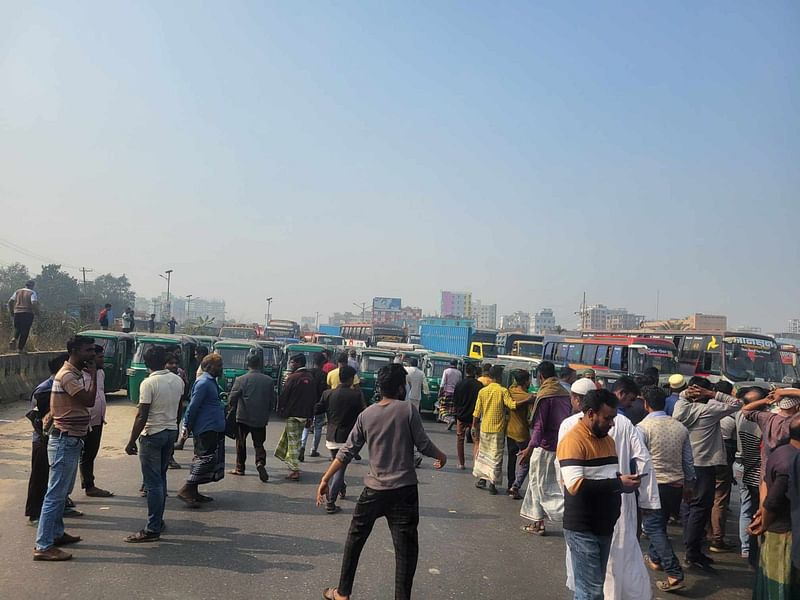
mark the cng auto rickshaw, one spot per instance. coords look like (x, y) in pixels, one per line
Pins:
(273, 356)
(118, 352)
(434, 366)
(235, 354)
(371, 361)
(184, 345)
(308, 350)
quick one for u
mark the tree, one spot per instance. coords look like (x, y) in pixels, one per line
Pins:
(56, 289)
(112, 290)
(12, 277)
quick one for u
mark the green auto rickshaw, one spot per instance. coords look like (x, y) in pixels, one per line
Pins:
(273, 356)
(434, 366)
(370, 362)
(183, 345)
(308, 350)
(235, 354)
(118, 352)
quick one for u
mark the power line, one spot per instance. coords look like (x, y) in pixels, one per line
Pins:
(19, 249)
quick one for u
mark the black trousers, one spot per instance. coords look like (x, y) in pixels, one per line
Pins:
(755, 502)
(514, 447)
(37, 484)
(699, 512)
(22, 328)
(258, 435)
(91, 446)
(401, 509)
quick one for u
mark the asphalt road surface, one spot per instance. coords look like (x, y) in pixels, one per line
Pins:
(260, 540)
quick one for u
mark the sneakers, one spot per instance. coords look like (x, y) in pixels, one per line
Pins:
(718, 547)
(72, 512)
(513, 493)
(332, 509)
(418, 461)
(702, 563)
(52, 554)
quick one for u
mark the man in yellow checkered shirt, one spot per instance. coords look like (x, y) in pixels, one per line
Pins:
(491, 410)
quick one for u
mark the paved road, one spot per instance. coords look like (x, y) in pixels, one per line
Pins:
(270, 541)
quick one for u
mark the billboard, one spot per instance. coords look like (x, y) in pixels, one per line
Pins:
(386, 304)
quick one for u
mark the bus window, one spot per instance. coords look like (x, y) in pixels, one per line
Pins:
(549, 351)
(601, 360)
(574, 353)
(588, 354)
(616, 359)
(690, 350)
(561, 352)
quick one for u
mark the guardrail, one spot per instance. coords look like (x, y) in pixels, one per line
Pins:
(20, 373)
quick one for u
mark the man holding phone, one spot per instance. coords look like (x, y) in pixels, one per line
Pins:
(70, 401)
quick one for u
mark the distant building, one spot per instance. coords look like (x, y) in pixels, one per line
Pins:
(544, 321)
(339, 319)
(485, 315)
(456, 304)
(794, 326)
(518, 321)
(600, 317)
(407, 316)
(308, 323)
(748, 329)
(184, 309)
(700, 321)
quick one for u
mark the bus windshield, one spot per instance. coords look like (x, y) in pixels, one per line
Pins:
(662, 359)
(751, 359)
(529, 349)
(238, 333)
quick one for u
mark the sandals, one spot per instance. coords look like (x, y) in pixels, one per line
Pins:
(142, 536)
(329, 594)
(666, 586)
(535, 528)
(293, 476)
(236, 472)
(651, 564)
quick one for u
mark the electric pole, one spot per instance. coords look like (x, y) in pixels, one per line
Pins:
(189, 306)
(269, 305)
(167, 278)
(84, 271)
(363, 307)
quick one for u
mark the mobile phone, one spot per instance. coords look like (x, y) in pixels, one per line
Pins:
(641, 475)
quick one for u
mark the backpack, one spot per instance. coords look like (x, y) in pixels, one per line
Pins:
(104, 317)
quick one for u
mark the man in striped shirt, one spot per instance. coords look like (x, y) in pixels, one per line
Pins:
(588, 461)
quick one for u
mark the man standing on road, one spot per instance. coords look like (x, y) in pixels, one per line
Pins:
(544, 498)
(151, 323)
(677, 383)
(296, 404)
(493, 403)
(91, 443)
(774, 425)
(748, 457)
(464, 399)
(156, 427)
(671, 452)
(391, 429)
(342, 407)
(333, 376)
(352, 360)
(205, 421)
(106, 317)
(128, 320)
(518, 432)
(416, 390)
(252, 398)
(485, 377)
(172, 324)
(588, 462)
(700, 409)
(23, 305)
(447, 388)
(318, 421)
(70, 401)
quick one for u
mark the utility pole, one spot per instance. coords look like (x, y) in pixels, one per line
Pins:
(84, 271)
(167, 278)
(189, 306)
(658, 301)
(269, 305)
(582, 313)
(363, 307)
(316, 322)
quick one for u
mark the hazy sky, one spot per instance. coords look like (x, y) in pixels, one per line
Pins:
(327, 152)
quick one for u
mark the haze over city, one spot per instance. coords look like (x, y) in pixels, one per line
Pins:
(323, 155)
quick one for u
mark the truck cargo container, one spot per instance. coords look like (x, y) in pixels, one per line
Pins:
(449, 339)
(330, 329)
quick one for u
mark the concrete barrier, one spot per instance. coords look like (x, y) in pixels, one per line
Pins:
(20, 373)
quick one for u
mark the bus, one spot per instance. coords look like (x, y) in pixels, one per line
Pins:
(280, 328)
(238, 332)
(521, 344)
(613, 356)
(734, 356)
(327, 340)
(367, 334)
(791, 369)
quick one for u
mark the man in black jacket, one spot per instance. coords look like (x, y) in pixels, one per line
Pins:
(342, 406)
(296, 404)
(464, 398)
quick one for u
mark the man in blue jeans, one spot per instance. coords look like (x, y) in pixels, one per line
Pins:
(587, 457)
(70, 400)
(156, 429)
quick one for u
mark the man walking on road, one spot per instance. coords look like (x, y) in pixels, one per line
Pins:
(156, 427)
(151, 323)
(416, 390)
(91, 443)
(447, 388)
(391, 429)
(70, 401)
(23, 305)
(252, 398)
(128, 320)
(106, 317)
(464, 399)
(172, 324)
(588, 462)
(296, 404)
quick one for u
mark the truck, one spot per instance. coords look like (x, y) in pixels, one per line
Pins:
(449, 336)
(520, 344)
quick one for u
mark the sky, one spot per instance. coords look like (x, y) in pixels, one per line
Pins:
(323, 153)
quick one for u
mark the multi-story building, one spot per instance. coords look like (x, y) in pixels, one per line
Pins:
(456, 304)
(339, 319)
(407, 316)
(544, 321)
(794, 326)
(599, 317)
(518, 321)
(485, 315)
(748, 329)
(620, 320)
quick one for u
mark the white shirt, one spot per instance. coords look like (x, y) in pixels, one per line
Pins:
(162, 390)
(98, 411)
(416, 384)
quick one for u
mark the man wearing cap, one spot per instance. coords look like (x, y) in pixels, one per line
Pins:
(677, 383)
(774, 425)
(544, 498)
(23, 305)
(587, 374)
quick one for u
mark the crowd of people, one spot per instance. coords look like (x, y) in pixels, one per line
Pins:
(607, 463)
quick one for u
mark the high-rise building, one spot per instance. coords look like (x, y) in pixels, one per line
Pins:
(544, 321)
(485, 315)
(748, 329)
(518, 321)
(600, 317)
(794, 326)
(184, 309)
(456, 304)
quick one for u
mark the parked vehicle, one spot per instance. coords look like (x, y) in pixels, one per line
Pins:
(434, 366)
(308, 350)
(520, 344)
(451, 336)
(235, 354)
(183, 344)
(238, 332)
(273, 357)
(118, 352)
(371, 361)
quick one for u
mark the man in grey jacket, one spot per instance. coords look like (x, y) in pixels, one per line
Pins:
(700, 409)
(253, 398)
